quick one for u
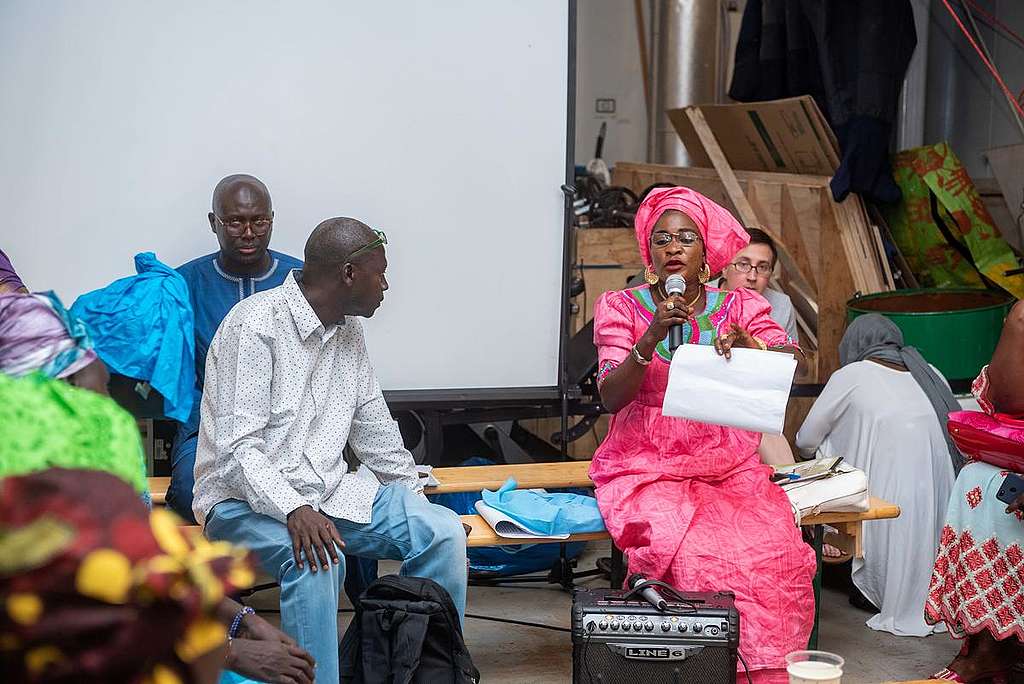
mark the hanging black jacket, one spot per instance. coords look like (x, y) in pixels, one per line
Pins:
(851, 56)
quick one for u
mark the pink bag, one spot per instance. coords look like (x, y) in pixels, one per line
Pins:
(994, 439)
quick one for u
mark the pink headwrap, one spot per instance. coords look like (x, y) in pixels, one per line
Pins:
(722, 234)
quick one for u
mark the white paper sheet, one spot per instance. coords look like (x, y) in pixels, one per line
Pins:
(749, 392)
(505, 526)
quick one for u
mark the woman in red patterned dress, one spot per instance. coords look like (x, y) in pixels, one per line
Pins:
(977, 586)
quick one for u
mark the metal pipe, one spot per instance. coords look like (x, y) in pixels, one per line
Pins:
(688, 68)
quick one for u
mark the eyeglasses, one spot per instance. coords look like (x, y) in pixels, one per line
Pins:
(762, 269)
(235, 227)
(382, 239)
(687, 238)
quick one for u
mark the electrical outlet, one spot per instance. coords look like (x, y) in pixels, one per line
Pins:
(604, 105)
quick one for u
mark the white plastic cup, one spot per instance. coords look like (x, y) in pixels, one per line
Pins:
(814, 667)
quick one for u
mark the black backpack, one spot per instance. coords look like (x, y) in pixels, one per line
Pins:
(406, 631)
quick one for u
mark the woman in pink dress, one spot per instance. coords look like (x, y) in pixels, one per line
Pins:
(690, 503)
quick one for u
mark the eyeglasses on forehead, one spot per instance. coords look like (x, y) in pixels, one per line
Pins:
(381, 240)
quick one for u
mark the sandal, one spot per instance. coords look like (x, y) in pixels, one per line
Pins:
(842, 543)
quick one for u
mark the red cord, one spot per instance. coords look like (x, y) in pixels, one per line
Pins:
(992, 21)
(991, 67)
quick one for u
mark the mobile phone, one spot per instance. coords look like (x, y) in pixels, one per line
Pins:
(1012, 487)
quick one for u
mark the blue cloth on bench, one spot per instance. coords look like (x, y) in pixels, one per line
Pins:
(546, 513)
(506, 560)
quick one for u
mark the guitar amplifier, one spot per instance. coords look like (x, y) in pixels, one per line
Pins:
(615, 640)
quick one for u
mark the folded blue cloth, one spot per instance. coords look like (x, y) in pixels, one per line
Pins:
(142, 327)
(545, 513)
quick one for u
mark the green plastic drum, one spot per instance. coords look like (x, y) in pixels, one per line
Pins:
(956, 330)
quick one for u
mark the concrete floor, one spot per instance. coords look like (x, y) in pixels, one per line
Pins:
(511, 654)
(514, 654)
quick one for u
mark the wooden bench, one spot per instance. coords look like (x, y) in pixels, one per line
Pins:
(481, 533)
(570, 474)
(527, 476)
(471, 478)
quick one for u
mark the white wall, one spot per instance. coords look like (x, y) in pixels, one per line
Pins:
(608, 66)
(443, 123)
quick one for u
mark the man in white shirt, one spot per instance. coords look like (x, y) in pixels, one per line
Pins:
(288, 385)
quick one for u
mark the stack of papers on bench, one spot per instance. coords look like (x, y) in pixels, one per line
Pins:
(505, 526)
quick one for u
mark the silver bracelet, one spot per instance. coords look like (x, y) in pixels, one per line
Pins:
(638, 357)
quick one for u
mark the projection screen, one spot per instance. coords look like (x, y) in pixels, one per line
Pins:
(446, 124)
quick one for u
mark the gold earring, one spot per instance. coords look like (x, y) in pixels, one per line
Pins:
(705, 273)
(650, 276)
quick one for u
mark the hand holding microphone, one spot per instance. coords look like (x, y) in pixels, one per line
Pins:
(670, 314)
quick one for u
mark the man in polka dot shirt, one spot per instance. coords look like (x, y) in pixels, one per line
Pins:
(288, 385)
(242, 218)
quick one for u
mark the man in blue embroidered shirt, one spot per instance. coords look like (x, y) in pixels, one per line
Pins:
(242, 219)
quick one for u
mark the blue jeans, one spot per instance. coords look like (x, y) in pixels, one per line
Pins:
(428, 538)
(183, 465)
(362, 571)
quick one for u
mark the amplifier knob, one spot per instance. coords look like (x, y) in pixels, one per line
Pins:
(713, 631)
(665, 626)
(682, 626)
(649, 626)
(637, 627)
(615, 626)
(697, 628)
(603, 625)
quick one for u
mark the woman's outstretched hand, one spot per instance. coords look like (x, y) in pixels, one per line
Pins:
(735, 337)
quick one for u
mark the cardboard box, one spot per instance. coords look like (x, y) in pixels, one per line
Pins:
(787, 136)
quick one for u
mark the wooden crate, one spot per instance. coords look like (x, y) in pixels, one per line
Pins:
(607, 258)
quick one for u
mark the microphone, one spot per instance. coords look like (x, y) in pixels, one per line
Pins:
(675, 285)
(650, 594)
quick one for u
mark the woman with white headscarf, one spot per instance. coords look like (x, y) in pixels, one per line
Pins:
(884, 411)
